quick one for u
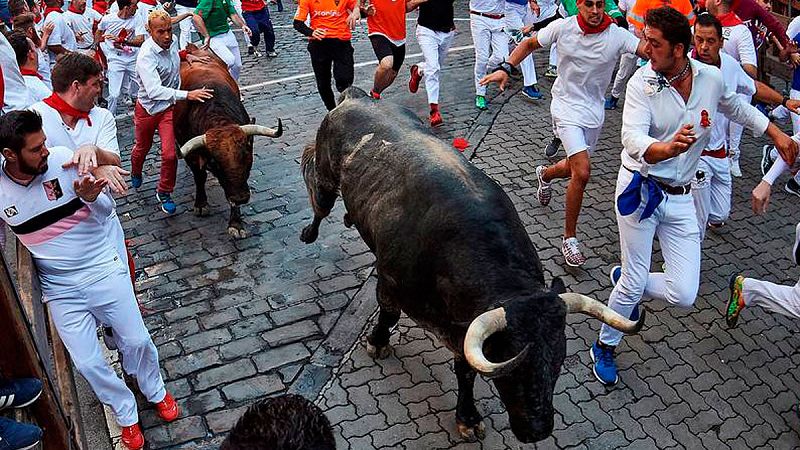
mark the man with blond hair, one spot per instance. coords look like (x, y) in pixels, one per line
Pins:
(158, 75)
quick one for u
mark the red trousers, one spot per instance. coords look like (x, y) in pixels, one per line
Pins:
(144, 128)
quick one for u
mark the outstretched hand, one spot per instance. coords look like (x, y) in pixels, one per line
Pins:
(499, 76)
(84, 158)
(88, 188)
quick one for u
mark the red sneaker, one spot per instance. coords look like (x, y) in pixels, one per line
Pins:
(436, 119)
(374, 95)
(168, 409)
(132, 437)
(413, 83)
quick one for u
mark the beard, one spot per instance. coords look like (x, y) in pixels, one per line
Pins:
(32, 170)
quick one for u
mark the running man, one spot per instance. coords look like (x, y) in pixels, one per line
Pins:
(665, 128)
(486, 20)
(211, 20)
(120, 35)
(386, 27)
(585, 72)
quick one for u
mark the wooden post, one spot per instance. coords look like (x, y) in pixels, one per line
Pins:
(21, 358)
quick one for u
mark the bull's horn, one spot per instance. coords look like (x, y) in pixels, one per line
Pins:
(191, 144)
(258, 130)
(579, 303)
(479, 330)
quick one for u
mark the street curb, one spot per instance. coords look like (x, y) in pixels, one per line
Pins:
(326, 360)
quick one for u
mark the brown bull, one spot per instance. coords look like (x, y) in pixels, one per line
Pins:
(217, 135)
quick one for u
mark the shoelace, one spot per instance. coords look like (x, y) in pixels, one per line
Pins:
(571, 247)
(606, 356)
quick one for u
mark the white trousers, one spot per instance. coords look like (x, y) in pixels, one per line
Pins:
(712, 193)
(186, 26)
(675, 224)
(735, 133)
(227, 48)
(434, 46)
(795, 95)
(777, 298)
(491, 46)
(121, 73)
(518, 16)
(110, 301)
(627, 65)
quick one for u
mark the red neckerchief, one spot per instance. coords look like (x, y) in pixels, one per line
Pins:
(588, 29)
(729, 19)
(37, 18)
(50, 9)
(31, 72)
(72, 8)
(58, 103)
(100, 6)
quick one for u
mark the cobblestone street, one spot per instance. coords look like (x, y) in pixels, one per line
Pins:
(238, 320)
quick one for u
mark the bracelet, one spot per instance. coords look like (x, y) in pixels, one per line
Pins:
(505, 67)
(785, 100)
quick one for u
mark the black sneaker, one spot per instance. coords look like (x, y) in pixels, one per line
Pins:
(552, 148)
(19, 393)
(792, 187)
(796, 248)
(766, 159)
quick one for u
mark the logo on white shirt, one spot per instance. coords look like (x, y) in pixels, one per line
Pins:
(52, 188)
(11, 211)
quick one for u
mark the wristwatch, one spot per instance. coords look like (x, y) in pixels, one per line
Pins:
(505, 66)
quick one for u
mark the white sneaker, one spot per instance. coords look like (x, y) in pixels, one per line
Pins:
(570, 248)
(736, 171)
(544, 192)
(796, 249)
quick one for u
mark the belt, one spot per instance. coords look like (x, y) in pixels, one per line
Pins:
(490, 16)
(719, 153)
(671, 190)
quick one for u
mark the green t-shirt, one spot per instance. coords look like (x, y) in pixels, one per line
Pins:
(215, 14)
(611, 8)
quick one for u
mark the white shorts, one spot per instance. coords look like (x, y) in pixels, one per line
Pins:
(574, 138)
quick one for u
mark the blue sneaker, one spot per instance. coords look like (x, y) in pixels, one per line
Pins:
(604, 368)
(136, 181)
(532, 92)
(615, 275)
(611, 102)
(19, 393)
(18, 436)
(167, 205)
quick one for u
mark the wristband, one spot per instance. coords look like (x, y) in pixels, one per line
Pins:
(505, 67)
(785, 100)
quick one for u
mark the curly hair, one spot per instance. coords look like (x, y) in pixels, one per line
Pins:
(286, 422)
(672, 24)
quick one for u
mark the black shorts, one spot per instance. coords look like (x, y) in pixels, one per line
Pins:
(383, 47)
(539, 25)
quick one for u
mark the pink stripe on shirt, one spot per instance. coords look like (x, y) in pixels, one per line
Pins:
(55, 230)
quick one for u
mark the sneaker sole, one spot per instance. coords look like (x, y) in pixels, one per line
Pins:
(594, 363)
(789, 190)
(29, 402)
(611, 275)
(731, 321)
(764, 155)
(572, 264)
(162, 206)
(796, 249)
(30, 446)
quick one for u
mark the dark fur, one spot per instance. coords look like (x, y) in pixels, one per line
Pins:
(287, 422)
(228, 153)
(449, 246)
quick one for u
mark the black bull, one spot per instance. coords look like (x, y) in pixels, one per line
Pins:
(452, 253)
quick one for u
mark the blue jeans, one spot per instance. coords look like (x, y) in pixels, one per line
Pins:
(259, 22)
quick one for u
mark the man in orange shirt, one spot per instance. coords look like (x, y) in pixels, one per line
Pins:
(386, 26)
(329, 42)
(636, 14)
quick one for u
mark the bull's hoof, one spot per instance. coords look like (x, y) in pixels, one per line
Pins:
(347, 222)
(471, 433)
(378, 352)
(202, 211)
(237, 232)
(309, 234)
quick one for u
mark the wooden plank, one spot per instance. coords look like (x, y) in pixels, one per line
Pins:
(65, 380)
(20, 358)
(30, 295)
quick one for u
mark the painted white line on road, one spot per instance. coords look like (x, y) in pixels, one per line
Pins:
(413, 19)
(361, 64)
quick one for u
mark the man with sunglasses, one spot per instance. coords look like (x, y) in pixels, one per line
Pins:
(584, 74)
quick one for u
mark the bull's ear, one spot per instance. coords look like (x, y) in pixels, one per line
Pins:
(557, 286)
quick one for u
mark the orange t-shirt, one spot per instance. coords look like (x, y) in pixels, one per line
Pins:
(637, 14)
(389, 19)
(328, 16)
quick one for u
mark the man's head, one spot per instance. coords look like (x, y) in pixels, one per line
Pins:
(667, 36)
(287, 422)
(592, 11)
(127, 8)
(17, 7)
(159, 25)
(719, 7)
(24, 50)
(54, 3)
(78, 79)
(23, 143)
(708, 38)
(25, 23)
(79, 6)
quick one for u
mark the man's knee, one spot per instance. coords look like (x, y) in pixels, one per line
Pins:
(386, 63)
(682, 295)
(579, 167)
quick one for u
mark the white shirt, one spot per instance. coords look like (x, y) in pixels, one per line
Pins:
(62, 34)
(81, 25)
(159, 77)
(60, 230)
(736, 80)
(654, 114)
(793, 28)
(738, 42)
(130, 27)
(547, 9)
(16, 95)
(44, 67)
(585, 70)
(102, 133)
(488, 6)
(38, 90)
